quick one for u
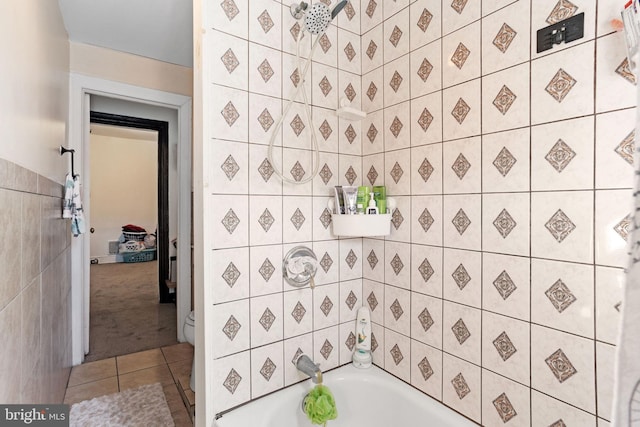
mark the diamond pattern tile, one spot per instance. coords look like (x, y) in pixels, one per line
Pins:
(426, 220)
(231, 328)
(625, 71)
(325, 174)
(326, 306)
(460, 55)
(461, 166)
(265, 70)
(351, 175)
(265, 119)
(349, 11)
(560, 85)
(230, 221)
(425, 69)
(326, 262)
(372, 301)
(265, 21)
(351, 341)
(396, 354)
(231, 274)
(424, 20)
(298, 312)
(562, 10)
(504, 346)
(326, 349)
(425, 368)
(460, 386)
(397, 264)
(295, 77)
(396, 172)
(371, 8)
(232, 381)
(460, 111)
(505, 36)
(396, 127)
(624, 227)
(372, 259)
(397, 219)
(371, 91)
(395, 36)
(504, 285)
(325, 43)
(425, 319)
(560, 365)
(374, 342)
(297, 125)
(461, 277)
(504, 223)
(504, 408)
(396, 81)
(325, 129)
(351, 300)
(266, 220)
(372, 175)
(560, 155)
(372, 133)
(351, 259)
(504, 161)
(461, 221)
(627, 147)
(325, 86)
(504, 100)
(560, 226)
(230, 167)
(230, 113)
(266, 270)
(460, 331)
(560, 296)
(350, 92)
(350, 52)
(297, 172)
(425, 119)
(371, 49)
(426, 270)
(230, 60)
(297, 219)
(230, 9)
(325, 218)
(425, 170)
(267, 319)
(268, 368)
(351, 134)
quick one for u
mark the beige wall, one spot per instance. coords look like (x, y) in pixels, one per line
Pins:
(124, 187)
(34, 86)
(131, 69)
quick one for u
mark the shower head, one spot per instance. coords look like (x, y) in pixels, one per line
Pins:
(318, 17)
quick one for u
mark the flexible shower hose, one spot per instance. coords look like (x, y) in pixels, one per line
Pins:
(307, 109)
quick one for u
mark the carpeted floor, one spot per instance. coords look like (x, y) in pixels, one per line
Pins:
(125, 314)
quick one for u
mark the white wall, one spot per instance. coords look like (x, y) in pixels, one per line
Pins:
(34, 86)
(125, 108)
(124, 187)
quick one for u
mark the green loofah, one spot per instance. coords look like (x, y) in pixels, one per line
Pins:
(320, 406)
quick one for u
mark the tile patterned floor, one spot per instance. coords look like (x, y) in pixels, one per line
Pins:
(170, 366)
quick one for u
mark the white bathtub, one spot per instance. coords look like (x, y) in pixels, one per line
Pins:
(364, 398)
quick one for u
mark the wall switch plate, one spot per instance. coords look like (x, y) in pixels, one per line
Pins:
(566, 31)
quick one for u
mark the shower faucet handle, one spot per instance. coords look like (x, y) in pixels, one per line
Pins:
(297, 9)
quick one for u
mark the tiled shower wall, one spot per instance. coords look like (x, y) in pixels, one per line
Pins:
(260, 323)
(35, 285)
(498, 291)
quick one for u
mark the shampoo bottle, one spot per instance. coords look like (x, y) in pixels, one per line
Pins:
(362, 355)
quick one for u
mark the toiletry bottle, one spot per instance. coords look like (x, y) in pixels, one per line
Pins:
(363, 199)
(339, 200)
(380, 194)
(362, 354)
(372, 209)
(350, 194)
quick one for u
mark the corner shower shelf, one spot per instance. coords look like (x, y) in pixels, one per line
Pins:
(361, 225)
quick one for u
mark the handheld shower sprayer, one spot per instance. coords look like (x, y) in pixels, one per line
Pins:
(316, 21)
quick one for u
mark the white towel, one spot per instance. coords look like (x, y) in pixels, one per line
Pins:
(72, 205)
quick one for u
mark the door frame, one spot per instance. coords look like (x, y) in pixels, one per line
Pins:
(80, 88)
(162, 242)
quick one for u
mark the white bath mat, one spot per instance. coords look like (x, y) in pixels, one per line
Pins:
(142, 406)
